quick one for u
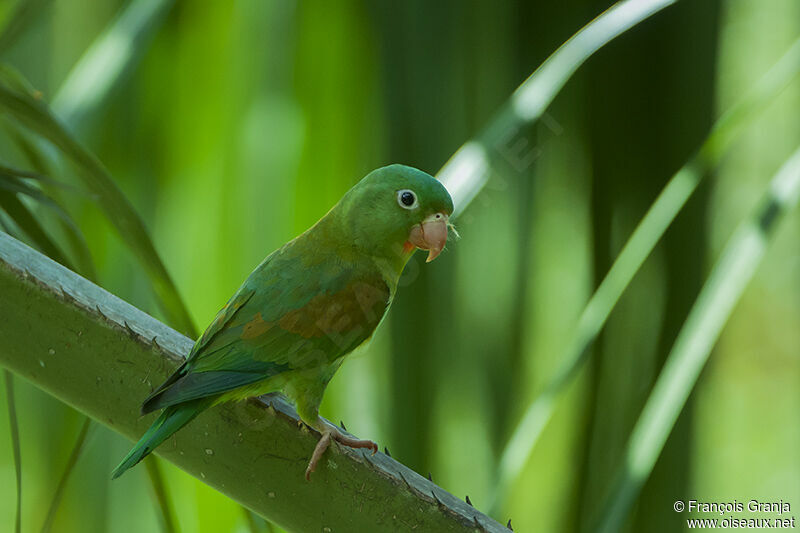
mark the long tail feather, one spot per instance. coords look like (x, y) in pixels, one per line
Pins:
(171, 420)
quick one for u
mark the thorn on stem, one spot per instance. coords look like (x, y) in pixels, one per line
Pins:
(469, 502)
(430, 478)
(367, 455)
(386, 451)
(342, 424)
(399, 473)
(509, 525)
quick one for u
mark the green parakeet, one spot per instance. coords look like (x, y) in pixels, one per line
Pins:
(306, 306)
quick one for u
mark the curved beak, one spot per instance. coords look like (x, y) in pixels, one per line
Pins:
(431, 235)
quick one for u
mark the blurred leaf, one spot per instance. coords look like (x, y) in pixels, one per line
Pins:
(721, 291)
(39, 161)
(105, 61)
(633, 254)
(20, 214)
(35, 114)
(255, 523)
(14, 426)
(5, 224)
(467, 171)
(10, 182)
(41, 178)
(15, 80)
(160, 494)
(24, 13)
(77, 448)
(32, 150)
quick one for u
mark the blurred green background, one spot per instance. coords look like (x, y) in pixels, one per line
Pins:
(240, 123)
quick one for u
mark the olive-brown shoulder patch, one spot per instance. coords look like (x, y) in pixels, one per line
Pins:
(358, 307)
(256, 327)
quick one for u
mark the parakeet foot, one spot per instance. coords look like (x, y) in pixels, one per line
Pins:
(331, 433)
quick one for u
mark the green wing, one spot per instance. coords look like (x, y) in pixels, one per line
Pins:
(290, 314)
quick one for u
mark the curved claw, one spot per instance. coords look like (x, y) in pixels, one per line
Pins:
(322, 445)
(331, 433)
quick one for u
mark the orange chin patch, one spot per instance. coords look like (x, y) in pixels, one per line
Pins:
(407, 247)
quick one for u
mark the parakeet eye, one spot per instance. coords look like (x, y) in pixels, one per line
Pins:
(407, 199)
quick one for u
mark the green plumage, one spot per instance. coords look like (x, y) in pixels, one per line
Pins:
(305, 307)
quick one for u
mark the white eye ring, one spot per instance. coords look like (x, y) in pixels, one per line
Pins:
(402, 197)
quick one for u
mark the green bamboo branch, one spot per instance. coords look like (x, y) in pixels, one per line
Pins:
(101, 355)
(714, 305)
(636, 250)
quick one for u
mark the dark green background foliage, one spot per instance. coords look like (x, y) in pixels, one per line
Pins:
(237, 124)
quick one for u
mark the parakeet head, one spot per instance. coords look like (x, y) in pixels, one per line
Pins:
(396, 209)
